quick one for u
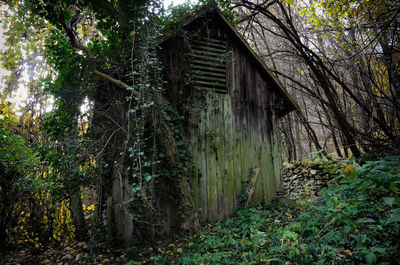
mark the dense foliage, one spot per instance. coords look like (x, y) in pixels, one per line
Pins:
(128, 138)
(28, 214)
(356, 220)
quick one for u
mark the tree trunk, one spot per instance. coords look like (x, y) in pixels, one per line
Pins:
(121, 196)
(78, 217)
(5, 209)
(311, 133)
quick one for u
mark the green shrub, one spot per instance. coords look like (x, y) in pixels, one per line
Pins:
(16, 162)
(356, 220)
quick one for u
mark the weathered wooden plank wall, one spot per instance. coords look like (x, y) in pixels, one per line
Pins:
(234, 135)
(231, 133)
(223, 155)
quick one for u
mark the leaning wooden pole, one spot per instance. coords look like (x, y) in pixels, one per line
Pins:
(251, 187)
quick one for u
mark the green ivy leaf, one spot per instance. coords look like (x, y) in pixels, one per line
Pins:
(366, 220)
(370, 258)
(394, 217)
(379, 250)
(388, 200)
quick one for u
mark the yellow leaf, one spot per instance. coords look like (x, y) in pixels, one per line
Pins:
(349, 169)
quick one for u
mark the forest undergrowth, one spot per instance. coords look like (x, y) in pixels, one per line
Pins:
(355, 220)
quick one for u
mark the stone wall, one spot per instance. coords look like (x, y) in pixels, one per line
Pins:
(306, 178)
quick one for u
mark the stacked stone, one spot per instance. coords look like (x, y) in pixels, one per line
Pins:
(303, 179)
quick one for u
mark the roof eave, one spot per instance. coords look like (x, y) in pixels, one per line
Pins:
(279, 87)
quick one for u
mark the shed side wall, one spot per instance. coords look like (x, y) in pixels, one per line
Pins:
(230, 133)
(235, 134)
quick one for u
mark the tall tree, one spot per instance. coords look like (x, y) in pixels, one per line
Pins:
(328, 39)
(105, 53)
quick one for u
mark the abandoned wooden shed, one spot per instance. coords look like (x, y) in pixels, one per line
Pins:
(236, 102)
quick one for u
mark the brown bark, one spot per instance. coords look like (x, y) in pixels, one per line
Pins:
(121, 196)
(78, 217)
(311, 133)
(323, 75)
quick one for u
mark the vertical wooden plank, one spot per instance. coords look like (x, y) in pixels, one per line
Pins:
(195, 146)
(228, 161)
(237, 166)
(246, 124)
(220, 158)
(208, 156)
(264, 170)
(211, 167)
(243, 129)
(282, 158)
(217, 139)
(236, 120)
(256, 163)
(203, 159)
(261, 99)
(217, 149)
(243, 169)
(270, 163)
(250, 156)
(229, 134)
(277, 162)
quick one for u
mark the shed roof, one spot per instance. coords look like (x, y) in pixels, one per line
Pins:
(212, 9)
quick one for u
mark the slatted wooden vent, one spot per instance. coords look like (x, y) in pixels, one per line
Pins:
(209, 64)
